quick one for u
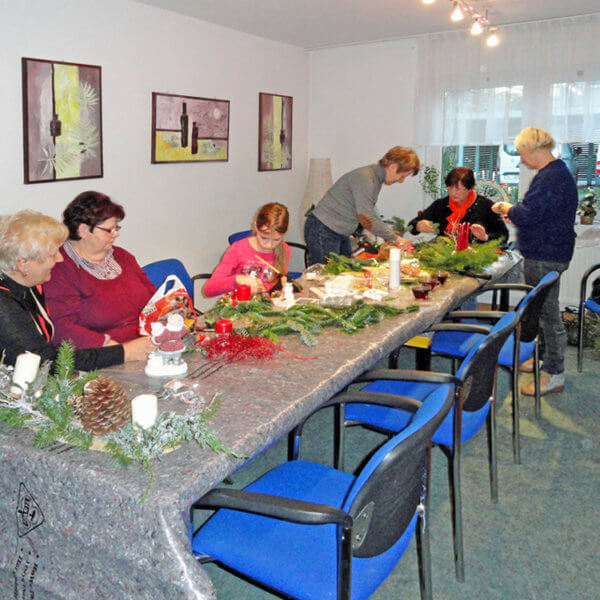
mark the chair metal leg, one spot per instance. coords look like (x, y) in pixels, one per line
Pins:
(493, 456)
(345, 563)
(536, 377)
(515, 415)
(423, 542)
(515, 398)
(580, 337)
(456, 511)
(393, 358)
(339, 434)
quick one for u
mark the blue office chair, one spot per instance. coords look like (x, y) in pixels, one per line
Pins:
(240, 235)
(521, 346)
(158, 271)
(584, 304)
(311, 532)
(474, 403)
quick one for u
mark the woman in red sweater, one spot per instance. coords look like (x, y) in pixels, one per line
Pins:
(96, 294)
(247, 260)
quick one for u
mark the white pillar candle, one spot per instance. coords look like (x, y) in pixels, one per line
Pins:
(395, 258)
(144, 410)
(26, 368)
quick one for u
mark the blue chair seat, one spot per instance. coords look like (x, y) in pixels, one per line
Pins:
(298, 560)
(459, 344)
(396, 420)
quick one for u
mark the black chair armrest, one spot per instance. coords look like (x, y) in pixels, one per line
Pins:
(278, 507)
(202, 276)
(297, 245)
(405, 375)
(484, 315)
(517, 287)
(460, 327)
(584, 280)
(360, 397)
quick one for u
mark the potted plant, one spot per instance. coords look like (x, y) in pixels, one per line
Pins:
(588, 207)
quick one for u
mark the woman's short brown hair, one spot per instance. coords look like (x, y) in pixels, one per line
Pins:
(90, 208)
(462, 175)
(405, 160)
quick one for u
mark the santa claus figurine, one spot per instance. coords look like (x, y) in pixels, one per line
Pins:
(166, 359)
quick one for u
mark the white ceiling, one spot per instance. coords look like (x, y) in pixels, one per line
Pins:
(322, 23)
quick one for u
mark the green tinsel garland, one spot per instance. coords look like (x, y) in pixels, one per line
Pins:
(441, 254)
(304, 320)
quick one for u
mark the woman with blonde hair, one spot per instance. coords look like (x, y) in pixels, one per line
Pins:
(545, 222)
(29, 249)
(249, 260)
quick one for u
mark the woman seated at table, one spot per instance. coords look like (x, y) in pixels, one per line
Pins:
(29, 248)
(97, 292)
(462, 205)
(256, 260)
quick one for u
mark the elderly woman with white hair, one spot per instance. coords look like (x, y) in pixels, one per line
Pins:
(545, 222)
(29, 249)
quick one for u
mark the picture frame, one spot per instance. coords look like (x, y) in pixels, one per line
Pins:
(189, 129)
(275, 125)
(62, 120)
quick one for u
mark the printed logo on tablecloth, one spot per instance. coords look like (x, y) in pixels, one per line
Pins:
(29, 513)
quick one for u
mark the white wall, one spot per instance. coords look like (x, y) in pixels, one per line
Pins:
(361, 104)
(183, 210)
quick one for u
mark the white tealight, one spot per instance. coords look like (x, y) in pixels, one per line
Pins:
(26, 369)
(144, 410)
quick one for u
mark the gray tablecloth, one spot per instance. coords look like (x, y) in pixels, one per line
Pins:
(72, 524)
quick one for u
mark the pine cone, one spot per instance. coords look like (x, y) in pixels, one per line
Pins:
(104, 407)
(77, 402)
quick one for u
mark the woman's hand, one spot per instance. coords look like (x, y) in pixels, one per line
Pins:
(138, 349)
(256, 285)
(479, 232)
(425, 226)
(501, 208)
(400, 241)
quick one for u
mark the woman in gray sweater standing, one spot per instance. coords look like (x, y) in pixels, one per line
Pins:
(351, 201)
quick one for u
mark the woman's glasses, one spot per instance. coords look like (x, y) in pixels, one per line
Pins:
(113, 230)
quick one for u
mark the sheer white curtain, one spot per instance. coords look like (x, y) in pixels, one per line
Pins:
(544, 74)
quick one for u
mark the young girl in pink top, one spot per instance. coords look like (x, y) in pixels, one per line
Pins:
(247, 260)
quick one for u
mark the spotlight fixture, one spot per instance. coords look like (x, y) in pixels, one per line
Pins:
(457, 13)
(476, 28)
(492, 40)
(428, 1)
(480, 23)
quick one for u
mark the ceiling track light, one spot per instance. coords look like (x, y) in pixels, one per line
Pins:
(476, 28)
(457, 13)
(492, 40)
(480, 23)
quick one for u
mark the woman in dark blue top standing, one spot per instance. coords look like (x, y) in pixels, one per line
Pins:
(545, 221)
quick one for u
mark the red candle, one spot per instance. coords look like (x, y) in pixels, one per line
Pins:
(223, 326)
(242, 293)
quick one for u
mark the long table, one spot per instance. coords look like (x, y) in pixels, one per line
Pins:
(72, 523)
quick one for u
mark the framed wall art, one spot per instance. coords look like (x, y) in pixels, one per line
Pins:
(274, 132)
(189, 129)
(62, 120)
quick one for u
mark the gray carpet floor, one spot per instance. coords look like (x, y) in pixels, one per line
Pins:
(540, 542)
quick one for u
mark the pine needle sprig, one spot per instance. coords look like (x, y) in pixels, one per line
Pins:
(441, 254)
